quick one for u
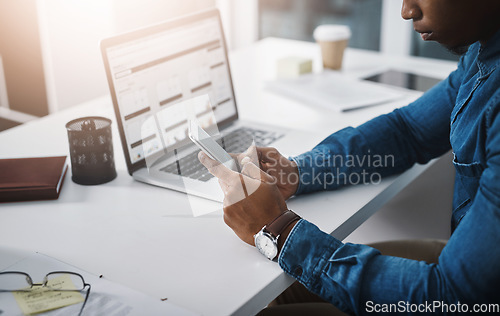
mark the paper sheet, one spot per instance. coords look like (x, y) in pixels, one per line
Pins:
(334, 91)
(106, 298)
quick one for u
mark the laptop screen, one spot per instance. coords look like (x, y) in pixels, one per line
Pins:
(153, 69)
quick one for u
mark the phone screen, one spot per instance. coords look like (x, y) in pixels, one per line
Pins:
(404, 80)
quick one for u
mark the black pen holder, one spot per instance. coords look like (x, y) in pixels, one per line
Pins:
(91, 150)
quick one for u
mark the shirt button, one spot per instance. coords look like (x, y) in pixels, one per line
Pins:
(298, 271)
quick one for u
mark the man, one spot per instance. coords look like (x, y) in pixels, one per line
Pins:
(462, 113)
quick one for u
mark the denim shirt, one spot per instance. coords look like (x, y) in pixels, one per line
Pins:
(462, 113)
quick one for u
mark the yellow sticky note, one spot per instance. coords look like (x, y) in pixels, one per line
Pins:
(42, 299)
(293, 67)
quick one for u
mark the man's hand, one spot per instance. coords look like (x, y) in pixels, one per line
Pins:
(285, 172)
(251, 198)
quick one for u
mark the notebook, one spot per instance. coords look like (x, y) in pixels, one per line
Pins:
(334, 91)
(25, 179)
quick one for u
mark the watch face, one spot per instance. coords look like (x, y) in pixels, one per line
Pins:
(266, 245)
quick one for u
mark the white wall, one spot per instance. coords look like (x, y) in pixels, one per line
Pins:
(133, 14)
(4, 101)
(395, 32)
(5, 111)
(240, 19)
(70, 31)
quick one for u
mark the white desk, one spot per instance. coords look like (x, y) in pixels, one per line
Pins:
(146, 238)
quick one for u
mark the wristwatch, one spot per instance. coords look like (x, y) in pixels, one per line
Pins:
(266, 240)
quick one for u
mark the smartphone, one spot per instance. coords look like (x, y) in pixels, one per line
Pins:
(404, 80)
(209, 146)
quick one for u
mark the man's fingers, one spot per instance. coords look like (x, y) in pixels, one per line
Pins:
(234, 156)
(249, 154)
(224, 186)
(251, 170)
(269, 158)
(233, 184)
(217, 169)
(268, 154)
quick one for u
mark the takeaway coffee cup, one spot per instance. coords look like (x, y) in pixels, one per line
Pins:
(333, 40)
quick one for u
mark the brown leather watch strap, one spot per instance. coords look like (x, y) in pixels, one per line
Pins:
(280, 223)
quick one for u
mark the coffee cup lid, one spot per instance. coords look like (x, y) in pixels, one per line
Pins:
(332, 32)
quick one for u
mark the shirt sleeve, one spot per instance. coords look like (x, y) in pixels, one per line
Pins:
(386, 145)
(353, 276)
(350, 275)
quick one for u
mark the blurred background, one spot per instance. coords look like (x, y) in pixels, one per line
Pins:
(49, 49)
(50, 61)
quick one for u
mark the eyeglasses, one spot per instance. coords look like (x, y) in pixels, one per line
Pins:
(15, 281)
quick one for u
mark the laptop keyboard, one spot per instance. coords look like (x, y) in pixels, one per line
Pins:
(235, 142)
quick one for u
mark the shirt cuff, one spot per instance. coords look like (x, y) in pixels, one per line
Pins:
(306, 171)
(300, 187)
(305, 251)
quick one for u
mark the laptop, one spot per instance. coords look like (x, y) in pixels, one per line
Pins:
(152, 72)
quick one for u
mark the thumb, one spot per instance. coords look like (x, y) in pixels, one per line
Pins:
(217, 169)
(251, 153)
(251, 170)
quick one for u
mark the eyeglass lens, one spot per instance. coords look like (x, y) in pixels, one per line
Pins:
(64, 281)
(14, 281)
(61, 281)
